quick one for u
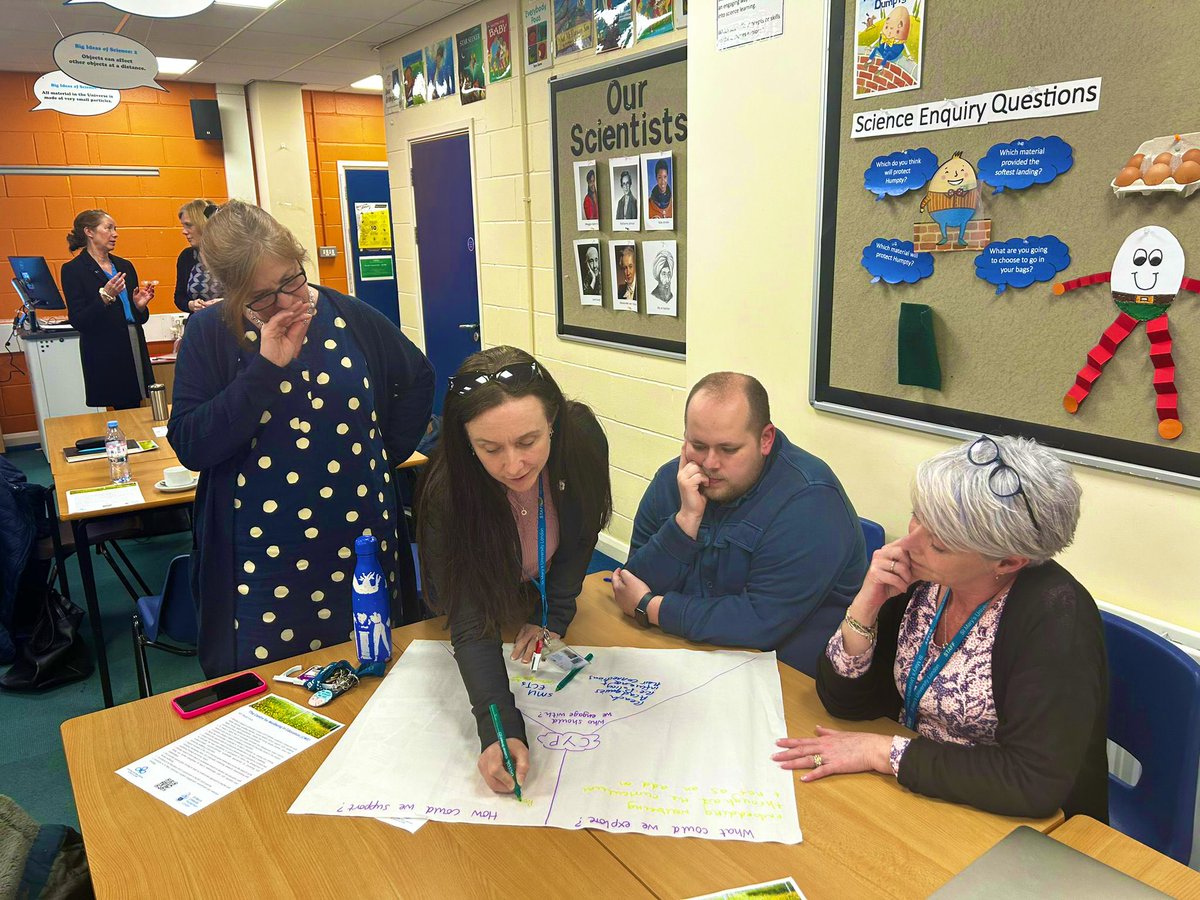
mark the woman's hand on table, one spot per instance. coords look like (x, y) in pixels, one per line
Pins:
(834, 752)
(526, 642)
(491, 765)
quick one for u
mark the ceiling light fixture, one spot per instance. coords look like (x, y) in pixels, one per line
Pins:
(370, 83)
(169, 65)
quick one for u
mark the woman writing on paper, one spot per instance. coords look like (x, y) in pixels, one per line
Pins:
(968, 633)
(509, 510)
(195, 287)
(294, 402)
(108, 307)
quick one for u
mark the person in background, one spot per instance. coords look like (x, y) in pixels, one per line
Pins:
(107, 306)
(195, 287)
(967, 632)
(518, 466)
(744, 539)
(295, 403)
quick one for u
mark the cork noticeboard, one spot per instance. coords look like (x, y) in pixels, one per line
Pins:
(1008, 361)
(626, 116)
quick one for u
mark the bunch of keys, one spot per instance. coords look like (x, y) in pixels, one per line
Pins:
(543, 641)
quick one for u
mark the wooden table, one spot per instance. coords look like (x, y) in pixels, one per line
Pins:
(145, 468)
(1134, 858)
(863, 834)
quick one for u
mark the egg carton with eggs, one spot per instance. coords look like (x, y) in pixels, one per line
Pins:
(1168, 164)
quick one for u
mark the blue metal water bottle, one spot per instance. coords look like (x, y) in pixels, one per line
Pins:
(369, 601)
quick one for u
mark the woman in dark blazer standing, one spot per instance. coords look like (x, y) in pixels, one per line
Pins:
(108, 307)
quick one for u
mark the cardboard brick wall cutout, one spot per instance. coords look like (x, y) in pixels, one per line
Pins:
(1146, 276)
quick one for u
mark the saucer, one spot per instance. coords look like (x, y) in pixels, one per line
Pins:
(162, 485)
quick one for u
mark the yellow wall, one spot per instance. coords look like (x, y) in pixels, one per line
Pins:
(638, 398)
(753, 120)
(1135, 546)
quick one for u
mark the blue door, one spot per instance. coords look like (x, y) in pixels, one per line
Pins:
(445, 213)
(370, 267)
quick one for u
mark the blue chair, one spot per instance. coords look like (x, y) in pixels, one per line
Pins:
(171, 613)
(1154, 714)
(873, 533)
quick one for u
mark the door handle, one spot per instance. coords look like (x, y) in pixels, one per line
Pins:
(469, 326)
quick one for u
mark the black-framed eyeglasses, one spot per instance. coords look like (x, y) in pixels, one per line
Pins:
(1004, 481)
(513, 377)
(266, 300)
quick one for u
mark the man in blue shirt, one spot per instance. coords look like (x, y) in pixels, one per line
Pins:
(746, 539)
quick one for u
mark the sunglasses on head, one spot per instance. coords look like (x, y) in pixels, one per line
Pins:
(512, 377)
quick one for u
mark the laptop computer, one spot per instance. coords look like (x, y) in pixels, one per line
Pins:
(1029, 864)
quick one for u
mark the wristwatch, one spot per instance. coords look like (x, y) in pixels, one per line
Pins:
(639, 614)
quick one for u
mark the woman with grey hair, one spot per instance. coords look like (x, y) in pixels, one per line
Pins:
(969, 634)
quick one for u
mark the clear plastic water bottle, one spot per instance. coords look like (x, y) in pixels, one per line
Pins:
(369, 604)
(118, 453)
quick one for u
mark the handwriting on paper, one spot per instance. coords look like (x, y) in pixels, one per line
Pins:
(619, 687)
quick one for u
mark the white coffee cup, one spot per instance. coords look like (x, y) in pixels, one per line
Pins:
(177, 476)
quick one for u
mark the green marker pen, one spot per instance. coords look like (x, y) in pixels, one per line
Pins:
(509, 765)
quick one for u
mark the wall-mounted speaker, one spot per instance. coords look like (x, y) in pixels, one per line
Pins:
(206, 120)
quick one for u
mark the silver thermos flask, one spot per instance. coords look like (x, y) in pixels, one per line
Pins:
(158, 402)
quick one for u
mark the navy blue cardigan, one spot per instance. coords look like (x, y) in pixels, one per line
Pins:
(217, 411)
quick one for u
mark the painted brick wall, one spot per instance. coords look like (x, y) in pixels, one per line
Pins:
(339, 127)
(148, 128)
(638, 398)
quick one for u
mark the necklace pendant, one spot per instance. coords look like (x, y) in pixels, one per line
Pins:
(524, 511)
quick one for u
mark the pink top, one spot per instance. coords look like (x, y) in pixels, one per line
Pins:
(959, 707)
(525, 512)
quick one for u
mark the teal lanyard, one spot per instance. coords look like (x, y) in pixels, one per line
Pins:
(914, 690)
(541, 580)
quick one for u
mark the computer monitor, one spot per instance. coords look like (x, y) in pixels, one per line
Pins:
(38, 288)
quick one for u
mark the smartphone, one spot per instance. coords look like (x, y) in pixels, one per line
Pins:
(214, 696)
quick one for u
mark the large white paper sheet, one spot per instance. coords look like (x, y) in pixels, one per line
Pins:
(204, 766)
(664, 742)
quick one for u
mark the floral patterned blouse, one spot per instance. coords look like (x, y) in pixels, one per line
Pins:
(959, 707)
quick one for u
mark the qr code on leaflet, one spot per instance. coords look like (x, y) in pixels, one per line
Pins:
(166, 784)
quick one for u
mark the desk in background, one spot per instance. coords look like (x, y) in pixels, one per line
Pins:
(864, 835)
(1134, 858)
(145, 469)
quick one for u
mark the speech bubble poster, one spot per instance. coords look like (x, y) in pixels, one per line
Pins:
(62, 93)
(1022, 261)
(1017, 165)
(151, 9)
(895, 261)
(107, 60)
(900, 172)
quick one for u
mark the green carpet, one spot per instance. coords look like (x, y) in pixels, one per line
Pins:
(31, 752)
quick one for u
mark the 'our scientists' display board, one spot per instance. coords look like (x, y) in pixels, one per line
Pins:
(1011, 232)
(618, 152)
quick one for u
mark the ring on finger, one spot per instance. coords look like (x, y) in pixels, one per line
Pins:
(817, 760)
(892, 568)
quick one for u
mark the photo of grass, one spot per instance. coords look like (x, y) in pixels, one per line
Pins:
(297, 717)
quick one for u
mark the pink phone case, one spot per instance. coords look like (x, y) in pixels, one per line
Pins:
(257, 689)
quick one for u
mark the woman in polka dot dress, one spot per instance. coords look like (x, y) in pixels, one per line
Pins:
(295, 403)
